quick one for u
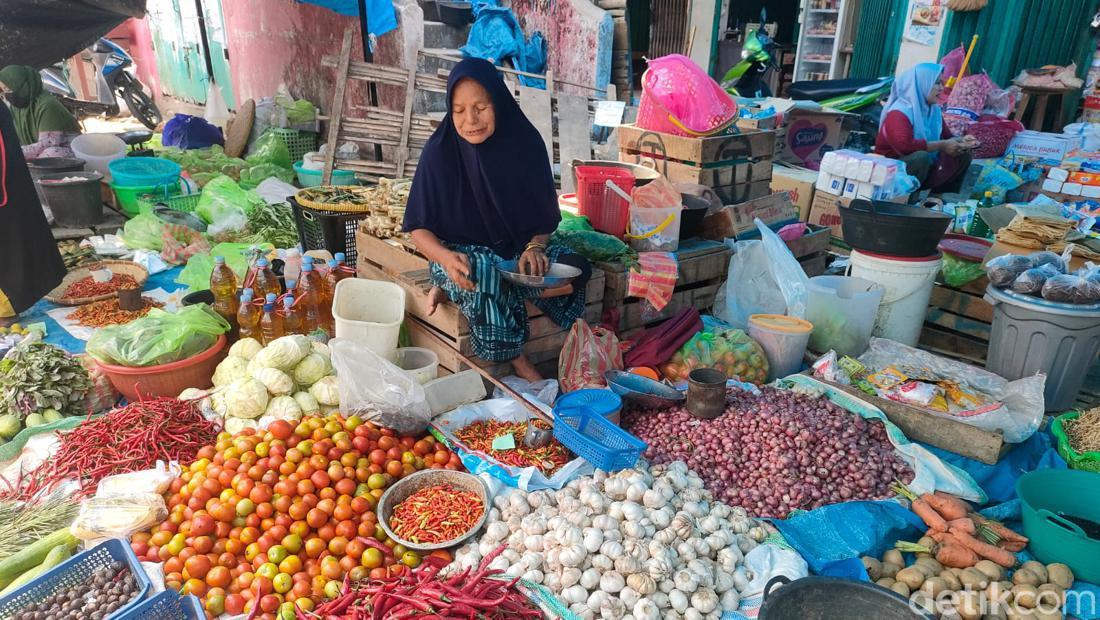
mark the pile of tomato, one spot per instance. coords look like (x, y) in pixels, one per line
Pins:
(277, 518)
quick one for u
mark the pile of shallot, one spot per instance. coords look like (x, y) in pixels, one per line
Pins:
(776, 452)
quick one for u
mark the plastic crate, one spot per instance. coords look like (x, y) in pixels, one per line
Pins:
(607, 211)
(1089, 461)
(327, 230)
(167, 605)
(595, 439)
(73, 572)
(297, 142)
(187, 204)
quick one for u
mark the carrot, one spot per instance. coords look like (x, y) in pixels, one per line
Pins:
(949, 506)
(998, 534)
(956, 556)
(921, 508)
(1006, 559)
(965, 525)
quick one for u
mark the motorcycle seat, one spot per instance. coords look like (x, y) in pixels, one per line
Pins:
(136, 137)
(827, 89)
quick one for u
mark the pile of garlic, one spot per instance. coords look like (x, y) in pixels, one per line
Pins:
(640, 544)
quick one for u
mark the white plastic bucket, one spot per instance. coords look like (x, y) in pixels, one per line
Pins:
(654, 230)
(783, 339)
(369, 312)
(908, 283)
(421, 363)
(842, 311)
(97, 150)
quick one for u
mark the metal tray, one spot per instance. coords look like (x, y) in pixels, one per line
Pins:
(559, 274)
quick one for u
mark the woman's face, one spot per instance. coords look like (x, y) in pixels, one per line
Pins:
(934, 93)
(472, 111)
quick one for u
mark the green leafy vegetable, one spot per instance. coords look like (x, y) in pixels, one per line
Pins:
(36, 376)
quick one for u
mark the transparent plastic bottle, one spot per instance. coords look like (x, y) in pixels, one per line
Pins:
(266, 281)
(332, 278)
(271, 323)
(312, 287)
(248, 317)
(292, 264)
(223, 284)
(341, 264)
(292, 317)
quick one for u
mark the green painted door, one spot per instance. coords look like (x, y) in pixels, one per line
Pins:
(218, 49)
(878, 38)
(179, 50)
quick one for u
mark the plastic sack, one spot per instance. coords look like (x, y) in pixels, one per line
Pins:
(118, 516)
(159, 337)
(1017, 406)
(196, 274)
(763, 278)
(965, 103)
(155, 481)
(574, 222)
(657, 194)
(190, 132)
(959, 272)
(1076, 288)
(1031, 282)
(953, 61)
(269, 149)
(763, 563)
(731, 351)
(380, 392)
(224, 205)
(144, 231)
(994, 134)
(588, 353)
(502, 410)
(595, 246)
(1089, 133)
(1004, 269)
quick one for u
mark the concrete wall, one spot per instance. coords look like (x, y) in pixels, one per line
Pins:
(578, 38)
(912, 54)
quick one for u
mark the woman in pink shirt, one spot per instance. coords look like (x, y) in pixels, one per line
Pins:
(912, 131)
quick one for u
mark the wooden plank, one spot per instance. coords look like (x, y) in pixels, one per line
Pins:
(961, 324)
(540, 326)
(739, 146)
(337, 105)
(390, 256)
(727, 173)
(708, 269)
(689, 249)
(536, 106)
(964, 304)
(402, 153)
(937, 430)
(956, 346)
(810, 244)
(630, 312)
(736, 194)
(574, 134)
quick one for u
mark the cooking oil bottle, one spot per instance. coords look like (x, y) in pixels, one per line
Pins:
(223, 284)
(292, 317)
(248, 317)
(266, 281)
(271, 322)
(312, 287)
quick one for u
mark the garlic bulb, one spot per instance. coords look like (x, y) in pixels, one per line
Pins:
(596, 599)
(570, 576)
(605, 522)
(665, 536)
(635, 491)
(590, 578)
(641, 583)
(686, 551)
(552, 581)
(632, 529)
(574, 594)
(662, 517)
(499, 563)
(666, 586)
(569, 535)
(682, 525)
(653, 499)
(592, 539)
(627, 565)
(745, 543)
(685, 581)
(573, 555)
(495, 531)
(692, 614)
(533, 542)
(517, 503)
(741, 579)
(723, 582)
(729, 558)
(730, 601)
(758, 533)
(611, 582)
(628, 596)
(612, 549)
(658, 568)
(615, 488)
(633, 511)
(612, 609)
(534, 576)
(582, 611)
(511, 555)
(678, 600)
(602, 563)
(646, 609)
(696, 509)
(709, 524)
(704, 600)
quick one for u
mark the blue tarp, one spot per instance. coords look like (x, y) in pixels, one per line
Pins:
(496, 37)
(380, 14)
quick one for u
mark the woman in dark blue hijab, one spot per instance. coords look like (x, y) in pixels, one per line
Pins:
(484, 193)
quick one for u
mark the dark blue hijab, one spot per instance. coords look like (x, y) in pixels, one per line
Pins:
(497, 194)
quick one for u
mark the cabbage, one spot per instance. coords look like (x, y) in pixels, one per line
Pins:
(320, 347)
(246, 398)
(326, 391)
(311, 369)
(283, 353)
(236, 425)
(245, 348)
(229, 370)
(327, 410)
(276, 381)
(284, 408)
(307, 403)
(217, 404)
(192, 394)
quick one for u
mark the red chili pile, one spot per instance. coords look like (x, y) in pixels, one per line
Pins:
(131, 438)
(479, 436)
(107, 312)
(436, 514)
(88, 287)
(422, 593)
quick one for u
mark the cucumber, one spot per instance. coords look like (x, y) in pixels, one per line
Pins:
(57, 555)
(33, 554)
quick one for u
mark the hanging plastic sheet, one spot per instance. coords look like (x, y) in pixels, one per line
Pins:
(380, 17)
(496, 36)
(41, 32)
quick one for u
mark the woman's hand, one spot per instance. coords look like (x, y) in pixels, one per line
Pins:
(953, 147)
(457, 266)
(533, 262)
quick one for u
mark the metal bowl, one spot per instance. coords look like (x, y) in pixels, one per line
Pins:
(642, 390)
(172, 216)
(412, 483)
(559, 274)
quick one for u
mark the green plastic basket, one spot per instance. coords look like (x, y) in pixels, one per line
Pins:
(187, 203)
(297, 142)
(1089, 461)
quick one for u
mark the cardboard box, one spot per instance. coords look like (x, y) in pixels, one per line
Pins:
(757, 124)
(1046, 148)
(806, 135)
(737, 221)
(799, 185)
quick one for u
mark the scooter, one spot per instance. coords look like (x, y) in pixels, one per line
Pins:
(758, 56)
(864, 97)
(114, 79)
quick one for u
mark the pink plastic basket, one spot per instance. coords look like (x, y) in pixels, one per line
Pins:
(681, 99)
(607, 211)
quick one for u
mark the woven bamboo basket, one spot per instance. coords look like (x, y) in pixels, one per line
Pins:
(134, 270)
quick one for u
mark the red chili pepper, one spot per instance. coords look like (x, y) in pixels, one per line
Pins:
(436, 514)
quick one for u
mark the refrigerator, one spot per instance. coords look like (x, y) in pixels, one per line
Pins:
(820, 55)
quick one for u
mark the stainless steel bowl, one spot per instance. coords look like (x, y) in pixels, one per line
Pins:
(558, 275)
(412, 483)
(642, 390)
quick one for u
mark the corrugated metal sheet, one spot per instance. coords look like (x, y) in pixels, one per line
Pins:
(878, 38)
(669, 27)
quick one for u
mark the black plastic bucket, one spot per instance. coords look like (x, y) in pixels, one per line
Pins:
(829, 598)
(51, 165)
(893, 229)
(76, 202)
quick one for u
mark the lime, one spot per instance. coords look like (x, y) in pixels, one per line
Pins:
(35, 419)
(9, 426)
(52, 415)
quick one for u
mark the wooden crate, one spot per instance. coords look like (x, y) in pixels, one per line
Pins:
(738, 167)
(392, 256)
(958, 322)
(703, 266)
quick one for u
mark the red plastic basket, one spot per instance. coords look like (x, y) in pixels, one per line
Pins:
(607, 211)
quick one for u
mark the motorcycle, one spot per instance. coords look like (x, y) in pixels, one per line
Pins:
(758, 56)
(114, 80)
(864, 97)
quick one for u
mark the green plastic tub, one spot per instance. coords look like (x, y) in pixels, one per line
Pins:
(128, 196)
(1045, 496)
(1088, 461)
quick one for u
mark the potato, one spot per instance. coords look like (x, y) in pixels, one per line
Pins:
(991, 570)
(973, 579)
(873, 566)
(920, 600)
(998, 613)
(889, 569)
(885, 582)
(922, 565)
(1025, 595)
(912, 577)
(933, 586)
(932, 564)
(970, 605)
(894, 557)
(1024, 576)
(1050, 587)
(926, 541)
(1060, 575)
(1038, 568)
(999, 593)
(1047, 614)
(953, 583)
(900, 588)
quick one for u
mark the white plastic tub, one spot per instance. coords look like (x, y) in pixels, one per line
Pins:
(421, 363)
(783, 339)
(842, 311)
(98, 150)
(908, 286)
(370, 313)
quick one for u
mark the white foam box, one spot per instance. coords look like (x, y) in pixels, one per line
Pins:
(1053, 186)
(1091, 191)
(1072, 189)
(850, 188)
(1058, 174)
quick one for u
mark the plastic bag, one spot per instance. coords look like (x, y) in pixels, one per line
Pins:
(224, 205)
(654, 230)
(997, 179)
(269, 149)
(959, 272)
(380, 391)
(595, 246)
(159, 337)
(155, 481)
(190, 132)
(1076, 288)
(657, 194)
(196, 274)
(1031, 281)
(252, 177)
(763, 278)
(1051, 259)
(1004, 269)
(545, 391)
(952, 62)
(144, 231)
(588, 353)
(574, 222)
(731, 351)
(118, 516)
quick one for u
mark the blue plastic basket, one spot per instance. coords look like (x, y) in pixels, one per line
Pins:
(167, 605)
(312, 178)
(603, 402)
(140, 171)
(595, 439)
(75, 571)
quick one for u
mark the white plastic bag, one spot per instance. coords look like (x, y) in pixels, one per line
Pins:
(376, 390)
(154, 481)
(766, 562)
(545, 391)
(1089, 133)
(118, 516)
(763, 278)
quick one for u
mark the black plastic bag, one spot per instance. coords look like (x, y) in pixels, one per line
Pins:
(1075, 288)
(1002, 271)
(1031, 281)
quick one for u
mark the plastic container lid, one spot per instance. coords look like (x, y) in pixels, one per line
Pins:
(965, 247)
(781, 323)
(901, 259)
(1038, 304)
(603, 402)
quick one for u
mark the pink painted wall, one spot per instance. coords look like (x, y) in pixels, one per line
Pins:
(578, 38)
